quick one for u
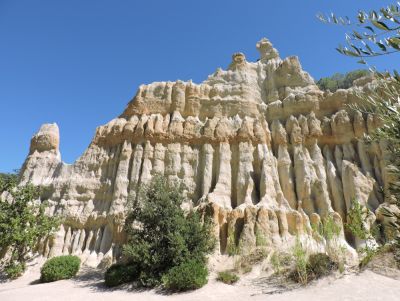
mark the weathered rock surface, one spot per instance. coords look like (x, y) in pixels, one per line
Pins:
(258, 146)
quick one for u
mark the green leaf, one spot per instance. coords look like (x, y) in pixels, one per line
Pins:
(351, 53)
(385, 13)
(340, 50)
(361, 17)
(369, 49)
(356, 49)
(365, 52)
(357, 35)
(334, 19)
(370, 28)
(396, 20)
(394, 42)
(362, 62)
(381, 46)
(392, 8)
(380, 25)
(322, 18)
(396, 75)
(343, 21)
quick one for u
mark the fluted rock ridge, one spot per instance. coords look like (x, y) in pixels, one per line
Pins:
(259, 147)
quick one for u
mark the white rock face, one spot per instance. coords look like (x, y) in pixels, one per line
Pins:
(215, 138)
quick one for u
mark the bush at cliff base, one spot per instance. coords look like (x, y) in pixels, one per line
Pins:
(118, 274)
(58, 268)
(163, 242)
(189, 275)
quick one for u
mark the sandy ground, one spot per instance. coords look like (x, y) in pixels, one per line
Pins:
(89, 286)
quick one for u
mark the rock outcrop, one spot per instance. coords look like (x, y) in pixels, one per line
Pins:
(259, 147)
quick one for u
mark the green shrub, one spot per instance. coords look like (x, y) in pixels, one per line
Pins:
(227, 277)
(232, 248)
(160, 237)
(395, 248)
(357, 216)
(341, 81)
(119, 273)
(308, 268)
(329, 228)
(367, 254)
(189, 275)
(319, 265)
(244, 263)
(14, 270)
(341, 258)
(23, 224)
(246, 268)
(60, 267)
(280, 261)
(8, 181)
(260, 239)
(300, 257)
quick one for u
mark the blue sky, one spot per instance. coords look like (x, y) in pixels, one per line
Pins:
(78, 63)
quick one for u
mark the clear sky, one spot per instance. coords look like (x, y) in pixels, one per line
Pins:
(78, 63)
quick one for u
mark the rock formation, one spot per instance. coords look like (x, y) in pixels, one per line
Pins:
(259, 147)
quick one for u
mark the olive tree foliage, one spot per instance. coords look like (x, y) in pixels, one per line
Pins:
(383, 103)
(372, 34)
(23, 224)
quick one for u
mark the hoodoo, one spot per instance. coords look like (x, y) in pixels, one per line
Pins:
(259, 147)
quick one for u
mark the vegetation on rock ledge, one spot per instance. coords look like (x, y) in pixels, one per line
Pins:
(340, 80)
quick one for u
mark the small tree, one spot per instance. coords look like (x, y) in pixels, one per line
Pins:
(162, 237)
(357, 218)
(23, 223)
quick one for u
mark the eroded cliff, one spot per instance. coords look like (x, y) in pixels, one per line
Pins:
(259, 147)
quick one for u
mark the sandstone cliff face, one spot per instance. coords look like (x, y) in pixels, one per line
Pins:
(259, 147)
